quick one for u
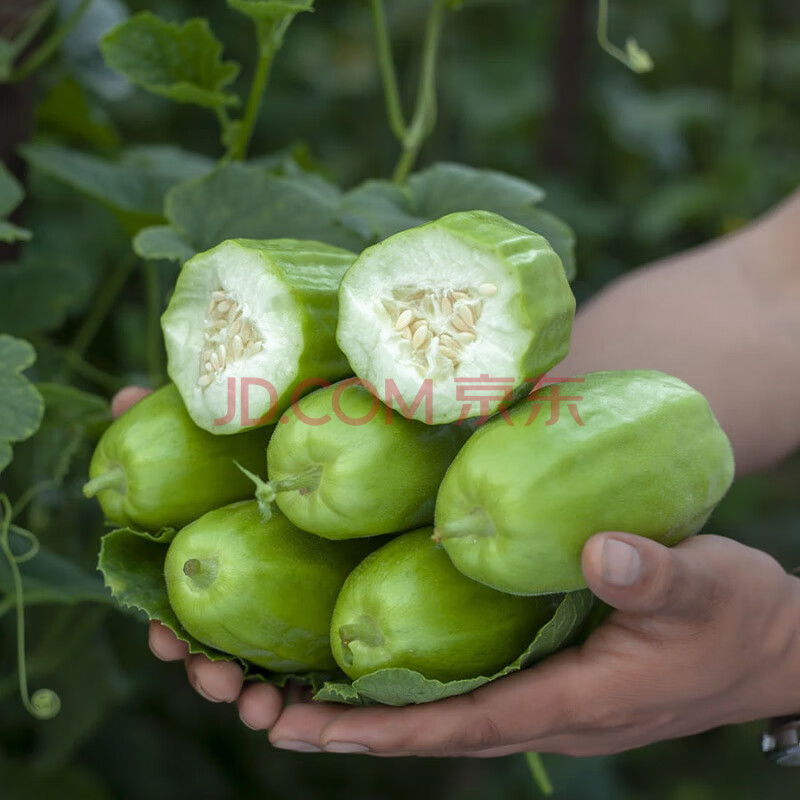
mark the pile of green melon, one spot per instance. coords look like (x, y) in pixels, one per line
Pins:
(358, 477)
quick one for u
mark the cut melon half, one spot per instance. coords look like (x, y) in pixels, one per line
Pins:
(251, 320)
(450, 319)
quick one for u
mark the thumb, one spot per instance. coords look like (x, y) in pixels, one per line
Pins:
(635, 574)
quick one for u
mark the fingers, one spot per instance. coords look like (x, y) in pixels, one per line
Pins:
(300, 726)
(165, 645)
(215, 681)
(127, 397)
(638, 575)
(499, 715)
(259, 706)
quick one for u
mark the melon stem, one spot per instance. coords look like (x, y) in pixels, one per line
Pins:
(365, 631)
(305, 482)
(202, 572)
(476, 523)
(113, 478)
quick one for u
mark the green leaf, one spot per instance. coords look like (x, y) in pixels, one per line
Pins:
(22, 406)
(239, 200)
(398, 687)
(68, 406)
(444, 188)
(134, 184)
(11, 191)
(377, 209)
(51, 578)
(11, 194)
(37, 296)
(13, 233)
(132, 563)
(66, 112)
(271, 11)
(180, 62)
(272, 19)
(381, 208)
(162, 242)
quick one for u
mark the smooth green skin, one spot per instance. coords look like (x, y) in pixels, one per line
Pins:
(519, 502)
(312, 272)
(544, 312)
(263, 591)
(406, 606)
(364, 479)
(170, 471)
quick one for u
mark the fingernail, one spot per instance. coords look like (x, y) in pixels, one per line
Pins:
(345, 747)
(204, 694)
(296, 745)
(622, 563)
(248, 725)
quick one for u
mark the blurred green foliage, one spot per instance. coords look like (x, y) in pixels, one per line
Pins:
(640, 165)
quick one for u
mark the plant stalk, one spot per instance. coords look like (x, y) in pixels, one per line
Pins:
(539, 773)
(44, 703)
(424, 117)
(46, 50)
(155, 350)
(113, 479)
(102, 305)
(202, 572)
(391, 93)
(269, 42)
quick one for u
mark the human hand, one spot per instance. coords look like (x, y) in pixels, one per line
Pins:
(216, 681)
(705, 634)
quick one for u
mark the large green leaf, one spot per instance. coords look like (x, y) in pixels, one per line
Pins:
(444, 188)
(398, 687)
(238, 200)
(379, 208)
(22, 407)
(179, 62)
(162, 242)
(37, 295)
(135, 183)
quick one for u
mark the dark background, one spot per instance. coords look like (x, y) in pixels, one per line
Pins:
(640, 166)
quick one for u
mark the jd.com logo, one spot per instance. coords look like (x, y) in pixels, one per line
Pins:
(484, 391)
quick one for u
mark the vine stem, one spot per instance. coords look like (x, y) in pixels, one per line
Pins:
(391, 92)
(45, 703)
(78, 364)
(35, 22)
(269, 44)
(155, 356)
(424, 117)
(635, 58)
(51, 44)
(102, 305)
(602, 33)
(539, 773)
(260, 79)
